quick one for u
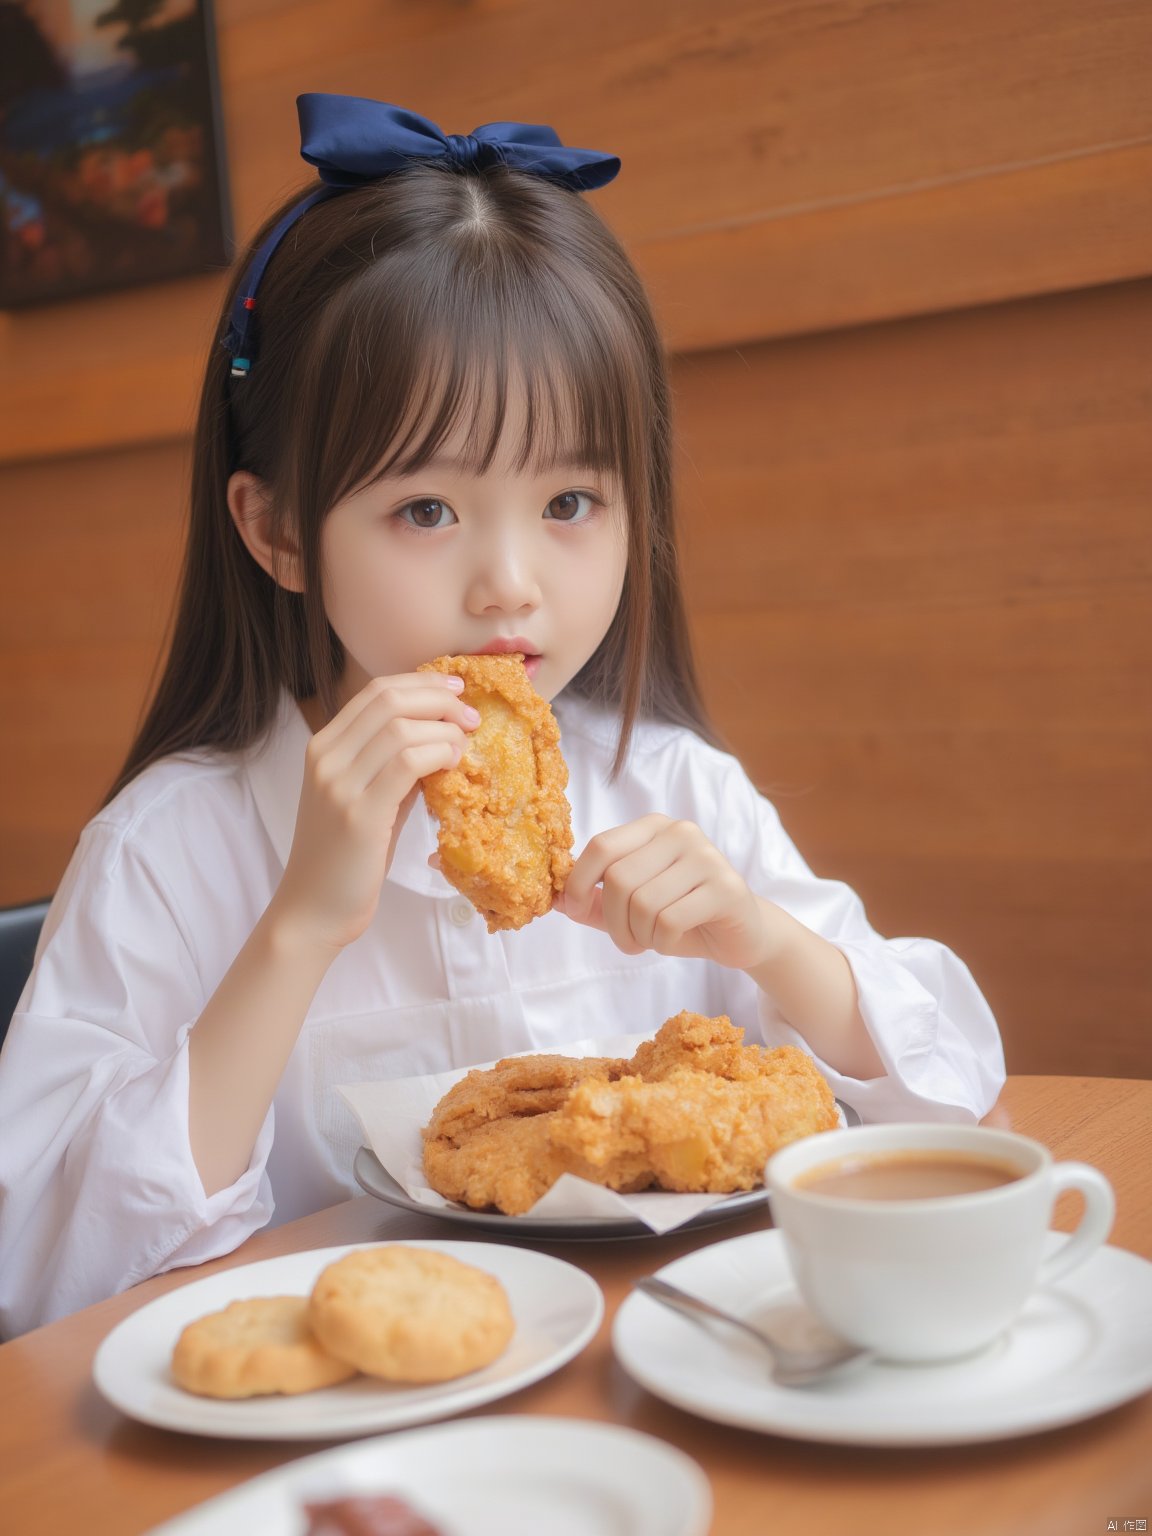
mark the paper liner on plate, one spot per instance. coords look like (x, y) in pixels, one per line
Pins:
(392, 1114)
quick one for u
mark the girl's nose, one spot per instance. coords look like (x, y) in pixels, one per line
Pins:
(503, 581)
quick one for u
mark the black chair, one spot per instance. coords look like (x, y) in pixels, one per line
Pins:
(19, 930)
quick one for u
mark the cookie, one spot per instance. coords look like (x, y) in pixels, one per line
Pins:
(253, 1347)
(407, 1314)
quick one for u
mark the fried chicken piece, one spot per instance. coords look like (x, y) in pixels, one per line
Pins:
(487, 1141)
(518, 1086)
(504, 1163)
(694, 1131)
(693, 1110)
(505, 823)
(511, 1163)
(705, 1045)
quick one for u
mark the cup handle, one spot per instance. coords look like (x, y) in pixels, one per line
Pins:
(1094, 1225)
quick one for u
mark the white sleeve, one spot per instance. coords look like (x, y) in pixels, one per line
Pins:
(98, 1187)
(933, 1030)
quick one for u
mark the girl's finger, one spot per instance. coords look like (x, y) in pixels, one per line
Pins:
(408, 766)
(605, 849)
(591, 914)
(405, 682)
(672, 929)
(396, 739)
(617, 932)
(409, 704)
(649, 903)
(624, 877)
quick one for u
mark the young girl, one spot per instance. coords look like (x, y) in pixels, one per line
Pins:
(439, 424)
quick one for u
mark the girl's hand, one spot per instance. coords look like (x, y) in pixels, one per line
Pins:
(666, 887)
(361, 775)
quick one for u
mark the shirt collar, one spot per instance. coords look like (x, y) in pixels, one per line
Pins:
(275, 770)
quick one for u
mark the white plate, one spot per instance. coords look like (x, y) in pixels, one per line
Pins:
(374, 1178)
(1077, 1349)
(508, 1476)
(557, 1309)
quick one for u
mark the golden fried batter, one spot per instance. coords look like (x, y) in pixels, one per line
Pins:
(694, 1109)
(694, 1131)
(512, 1163)
(505, 824)
(705, 1045)
(517, 1087)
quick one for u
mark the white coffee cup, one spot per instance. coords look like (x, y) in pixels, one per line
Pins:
(929, 1278)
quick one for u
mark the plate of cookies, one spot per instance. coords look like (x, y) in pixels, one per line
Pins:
(348, 1341)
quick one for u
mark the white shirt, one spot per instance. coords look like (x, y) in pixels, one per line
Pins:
(98, 1188)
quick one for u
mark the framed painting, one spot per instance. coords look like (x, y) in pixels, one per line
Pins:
(111, 152)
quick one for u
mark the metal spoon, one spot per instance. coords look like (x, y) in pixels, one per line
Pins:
(791, 1366)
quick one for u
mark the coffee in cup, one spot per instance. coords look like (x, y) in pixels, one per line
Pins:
(923, 1242)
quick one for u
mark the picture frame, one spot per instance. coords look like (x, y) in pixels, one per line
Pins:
(112, 166)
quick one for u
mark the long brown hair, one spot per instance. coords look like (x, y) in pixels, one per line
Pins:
(387, 313)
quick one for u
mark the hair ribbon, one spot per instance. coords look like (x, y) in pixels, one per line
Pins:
(352, 141)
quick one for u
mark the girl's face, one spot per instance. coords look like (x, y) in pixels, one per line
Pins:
(445, 562)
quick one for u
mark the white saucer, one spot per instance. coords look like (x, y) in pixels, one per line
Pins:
(557, 1309)
(483, 1477)
(1077, 1349)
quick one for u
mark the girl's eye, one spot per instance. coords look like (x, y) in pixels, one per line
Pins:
(565, 508)
(427, 515)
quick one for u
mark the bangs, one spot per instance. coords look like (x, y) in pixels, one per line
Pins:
(475, 343)
(403, 319)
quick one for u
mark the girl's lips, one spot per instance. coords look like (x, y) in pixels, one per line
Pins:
(532, 658)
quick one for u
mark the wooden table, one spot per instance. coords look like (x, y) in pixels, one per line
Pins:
(69, 1463)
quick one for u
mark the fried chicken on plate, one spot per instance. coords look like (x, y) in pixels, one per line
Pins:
(505, 823)
(693, 1110)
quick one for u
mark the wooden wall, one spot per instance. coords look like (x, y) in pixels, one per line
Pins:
(900, 252)
(920, 570)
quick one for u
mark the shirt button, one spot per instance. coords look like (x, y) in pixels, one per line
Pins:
(461, 913)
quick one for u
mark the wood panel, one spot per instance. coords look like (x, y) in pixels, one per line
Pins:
(920, 568)
(91, 558)
(787, 167)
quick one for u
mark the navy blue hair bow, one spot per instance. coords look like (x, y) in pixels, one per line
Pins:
(352, 141)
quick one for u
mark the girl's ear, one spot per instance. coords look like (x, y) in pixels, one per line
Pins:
(251, 509)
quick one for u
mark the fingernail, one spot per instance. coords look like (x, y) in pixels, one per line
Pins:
(472, 716)
(455, 683)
